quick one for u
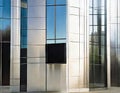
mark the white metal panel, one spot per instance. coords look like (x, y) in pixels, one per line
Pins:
(36, 2)
(56, 77)
(38, 11)
(36, 77)
(36, 37)
(75, 3)
(73, 24)
(36, 23)
(36, 51)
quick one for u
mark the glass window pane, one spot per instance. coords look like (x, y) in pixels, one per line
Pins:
(90, 19)
(1, 25)
(50, 22)
(60, 41)
(1, 2)
(24, 1)
(24, 33)
(103, 19)
(24, 12)
(6, 24)
(60, 1)
(90, 30)
(23, 23)
(91, 3)
(6, 8)
(1, 11)
(95, 19)
(60, 21)
(50, 41)
(6, 30)
(23, 40)
(95, 30)
(50, 2)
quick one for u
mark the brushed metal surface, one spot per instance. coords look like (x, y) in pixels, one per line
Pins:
(56, 77)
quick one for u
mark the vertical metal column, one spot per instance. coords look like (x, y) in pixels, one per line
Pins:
(36, 66)
(15, 46)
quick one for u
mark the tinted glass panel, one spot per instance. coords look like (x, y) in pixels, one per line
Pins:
(60, 1)
(24, 23)
(60, 41)
(6, 31)
(50, 2)
(23, 40)
(24, 1)
(23, 74)
(24, 12)
(50, 23)
(50, 41)
(1, 2)
(6, 63)
(60, 21)
(97, 46)
(6, 8)
(23, 52)
(24, 33)
(1, 25)
(1, 11)
(6, 24)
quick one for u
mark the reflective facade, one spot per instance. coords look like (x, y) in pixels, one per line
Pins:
(114, 22)
(97, 41)
(44, 41)
(59, 45)
(5, 41)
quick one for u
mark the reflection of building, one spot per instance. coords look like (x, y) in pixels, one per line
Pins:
(59, 45)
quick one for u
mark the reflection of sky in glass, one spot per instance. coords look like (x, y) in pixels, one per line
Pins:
(49, 2)
(50, 22)
(61, 21)
(56, 21)
(1, 10)
(1, 2)
(60, 1)
(23, 25)
(6, 24)
(24, 12)
(5, 7)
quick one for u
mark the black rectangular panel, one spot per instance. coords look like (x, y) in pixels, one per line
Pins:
(23, 74)
(56, 53)
(5, 63)
(23, 52)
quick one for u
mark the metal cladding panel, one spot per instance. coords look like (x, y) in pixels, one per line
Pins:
(77, 42)
(15, 46)
(36, 77)
(56, 77)
(36, 39)
(114, 41)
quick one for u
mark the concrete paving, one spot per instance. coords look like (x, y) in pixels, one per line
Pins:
(110, 90)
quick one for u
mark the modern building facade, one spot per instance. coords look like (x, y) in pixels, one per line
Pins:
(59, 45)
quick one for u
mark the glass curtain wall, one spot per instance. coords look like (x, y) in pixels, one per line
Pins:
(97, 43)
(115, 41)
(23, 47)
(5, 28)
